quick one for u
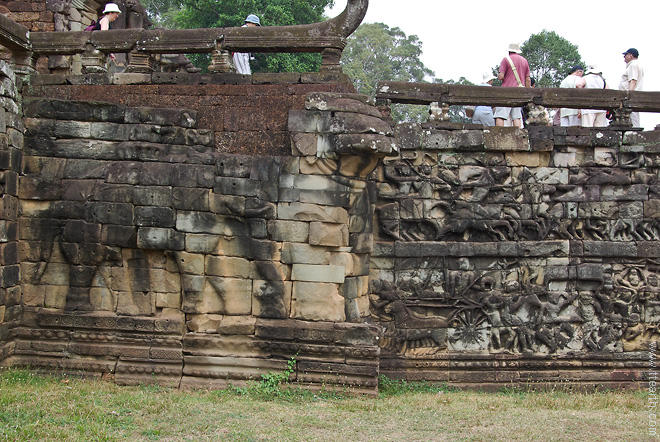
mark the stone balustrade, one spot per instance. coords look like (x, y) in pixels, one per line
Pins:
(144, 46)
(621, 102)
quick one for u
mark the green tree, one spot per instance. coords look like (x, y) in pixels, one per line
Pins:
(376, 52)
(457, 113)
(192, 14)
(550, 57)
(158, 10)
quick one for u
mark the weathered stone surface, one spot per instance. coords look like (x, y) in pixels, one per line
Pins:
(318, 273)
(228, 266)
(159, 238)
(326, 234)
(506, 138)
(317, 302)
(311, 212)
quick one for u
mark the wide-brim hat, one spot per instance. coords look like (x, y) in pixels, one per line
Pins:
(515, 47)
(111, 7)
(253, 19)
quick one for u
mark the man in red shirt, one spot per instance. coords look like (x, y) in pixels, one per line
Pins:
(514, 72)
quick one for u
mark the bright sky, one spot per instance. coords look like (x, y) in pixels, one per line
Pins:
(468, 38)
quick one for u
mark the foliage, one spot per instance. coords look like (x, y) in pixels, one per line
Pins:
(271, 383)
(550, 57)
(72, 409)
(158, 10)
(457, 113)
(376, 52)
(190, 14)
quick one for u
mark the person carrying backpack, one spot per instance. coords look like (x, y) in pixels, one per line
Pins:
(110, 14)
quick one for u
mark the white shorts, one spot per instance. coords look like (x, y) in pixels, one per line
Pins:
(505, 112)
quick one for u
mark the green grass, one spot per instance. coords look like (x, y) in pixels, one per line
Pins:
(62, 408)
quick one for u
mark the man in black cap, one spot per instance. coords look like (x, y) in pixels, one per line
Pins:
(632, 79)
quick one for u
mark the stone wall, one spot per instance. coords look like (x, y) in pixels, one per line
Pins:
(11, 154)
(200, 230)
(505, 255)
(203, 242)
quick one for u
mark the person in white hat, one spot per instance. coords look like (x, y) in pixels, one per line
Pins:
(514, 72)
(593, 79)
(241, 59)
(110, 14)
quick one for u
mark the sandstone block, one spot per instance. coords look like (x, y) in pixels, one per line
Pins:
(122, 236)
(529, 159)
(606, 156)
(309, 121)
(330, 235)
(324, 101)
(216, 245)
(199, 176)
(652, 209)
(288, 231)
(207, 323)
(152, 216)
(506, 138)
(136, 304)
(271, 299)
(184, 262)
(316, 182)
(317, 302)
(190, 199)
(161, 239)
(298, 253)
(72, 129)
(237, 325)
(162, 280)
(110, 213)
(204, 222)
(160, 196)
(168, 300)
(304, 144)
(318, 273)
(103, 299)
(311, 212)
(236, 186)
(235, 294)
(33, 295)
(228, 266)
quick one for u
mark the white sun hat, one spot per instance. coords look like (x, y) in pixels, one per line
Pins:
(111, 7)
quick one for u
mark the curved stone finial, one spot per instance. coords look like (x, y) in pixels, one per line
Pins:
(352, 16)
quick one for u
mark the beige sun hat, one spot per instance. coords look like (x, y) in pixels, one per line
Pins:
(515, 47)
(111, 7)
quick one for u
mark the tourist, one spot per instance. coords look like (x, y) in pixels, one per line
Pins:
(593, 79)
(514, 72)
(632, 79)
(241, 59)
(110, 14)
(571, 117)
(484, 114)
